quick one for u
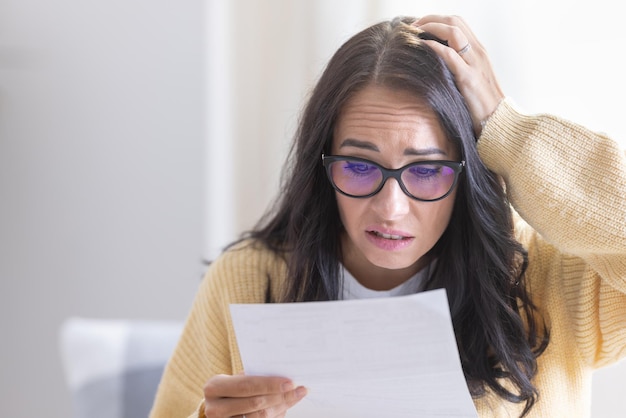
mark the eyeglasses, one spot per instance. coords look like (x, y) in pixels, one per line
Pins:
(426, 181)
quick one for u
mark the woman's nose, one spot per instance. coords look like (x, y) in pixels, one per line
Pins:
(391, 202)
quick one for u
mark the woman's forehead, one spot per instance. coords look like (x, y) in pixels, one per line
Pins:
(384, 115)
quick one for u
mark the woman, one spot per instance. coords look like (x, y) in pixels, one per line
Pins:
(408, 171)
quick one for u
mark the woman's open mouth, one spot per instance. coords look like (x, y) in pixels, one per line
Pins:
(389, 241)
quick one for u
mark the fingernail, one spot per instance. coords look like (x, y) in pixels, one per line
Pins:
(301, 392)
(287, 386)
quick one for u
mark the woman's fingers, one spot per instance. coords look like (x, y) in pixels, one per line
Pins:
(454, 35)
(243, 386)
(262, 396)
(280, 406)
(468, 61)
(452, 29)
(264, 406)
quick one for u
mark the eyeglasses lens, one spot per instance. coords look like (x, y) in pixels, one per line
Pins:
(428, 181)
(356, 178)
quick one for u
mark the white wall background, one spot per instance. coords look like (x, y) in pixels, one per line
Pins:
(101, 176)
(121, 124)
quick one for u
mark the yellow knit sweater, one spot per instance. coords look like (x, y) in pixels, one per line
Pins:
(565, 181)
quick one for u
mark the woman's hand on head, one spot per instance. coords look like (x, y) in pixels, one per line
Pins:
(468, 61)
(250, 396)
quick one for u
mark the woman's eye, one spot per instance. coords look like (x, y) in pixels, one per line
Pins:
(425, 171)
(360, 168)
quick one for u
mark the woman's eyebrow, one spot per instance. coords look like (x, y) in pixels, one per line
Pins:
(357, 143)
(425, 151)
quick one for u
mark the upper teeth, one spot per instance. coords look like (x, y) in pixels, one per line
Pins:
(389, 236)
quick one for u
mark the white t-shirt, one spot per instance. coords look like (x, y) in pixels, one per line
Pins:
(352, 289)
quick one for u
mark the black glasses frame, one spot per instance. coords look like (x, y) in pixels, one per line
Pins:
(456, 166)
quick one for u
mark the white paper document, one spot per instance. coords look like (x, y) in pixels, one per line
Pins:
(370, 358)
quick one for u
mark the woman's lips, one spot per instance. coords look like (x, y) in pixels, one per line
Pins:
(389, 240)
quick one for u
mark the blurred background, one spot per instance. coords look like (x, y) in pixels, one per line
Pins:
(138, 137)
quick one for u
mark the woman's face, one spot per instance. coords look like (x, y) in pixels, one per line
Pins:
(387, 235)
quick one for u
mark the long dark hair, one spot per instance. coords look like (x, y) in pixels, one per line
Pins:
(498, 329)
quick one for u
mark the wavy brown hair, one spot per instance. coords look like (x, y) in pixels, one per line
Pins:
(499, 332)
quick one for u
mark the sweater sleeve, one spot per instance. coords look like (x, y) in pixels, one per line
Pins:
(569, 184)
(208, 346)
(565, 181)
(202, 351)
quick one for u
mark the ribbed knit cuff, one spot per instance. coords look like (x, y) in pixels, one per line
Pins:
(503, 137)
